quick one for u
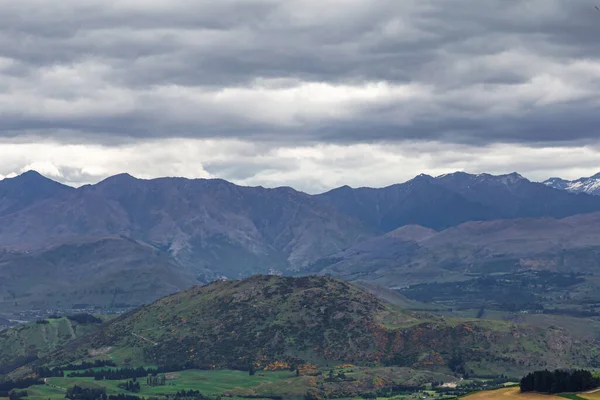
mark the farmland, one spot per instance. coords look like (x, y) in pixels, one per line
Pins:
(514, 393)
(507, 394)
(239, 384)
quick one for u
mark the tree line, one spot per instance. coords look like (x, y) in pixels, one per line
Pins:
(78, 393)
(559, 381)
(117, 374)
(114, 374)
(131, 386)
(45, 372)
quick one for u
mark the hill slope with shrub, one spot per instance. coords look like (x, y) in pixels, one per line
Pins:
(274, 322)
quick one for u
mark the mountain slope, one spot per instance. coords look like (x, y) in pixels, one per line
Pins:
(451, 199)
(25, 343)
(569, 245)
(420, 201)
(268, 319)
(106, 271)
(28, 189)
(512, 196)
(211, 227)
(208, 220)
(589, 185)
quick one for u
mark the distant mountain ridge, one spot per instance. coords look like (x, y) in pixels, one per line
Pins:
(589, 185)
(452, 199)
(197, 230)
(413, 255)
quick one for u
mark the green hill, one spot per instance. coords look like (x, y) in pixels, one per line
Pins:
(25, 343)
(272, 322)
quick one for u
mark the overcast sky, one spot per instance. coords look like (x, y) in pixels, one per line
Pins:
(307, 93)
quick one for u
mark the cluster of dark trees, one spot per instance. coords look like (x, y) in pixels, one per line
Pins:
(84, 319)
(559, 381)
(7, 386)
(156, 380)
(339, 377)
(78, 393)
(116, 374)
(131, 386)
(16, 395)
(124, 397)
(44, 372)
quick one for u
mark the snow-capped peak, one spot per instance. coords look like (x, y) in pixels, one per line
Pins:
(589, 185)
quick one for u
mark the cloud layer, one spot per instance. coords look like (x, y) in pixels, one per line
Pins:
(299, 79)
(314, 168)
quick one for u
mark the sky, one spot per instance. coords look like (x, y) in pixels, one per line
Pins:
(312, 94)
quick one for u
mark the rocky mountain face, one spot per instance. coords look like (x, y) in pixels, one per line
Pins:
(589, 185)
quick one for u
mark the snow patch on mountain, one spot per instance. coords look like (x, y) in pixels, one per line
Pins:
(589, 185)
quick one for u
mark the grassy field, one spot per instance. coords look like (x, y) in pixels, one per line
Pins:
(45, 392)
(207, 382)
(590, 396)
(507, 394)
(513, 393)
(238, 384)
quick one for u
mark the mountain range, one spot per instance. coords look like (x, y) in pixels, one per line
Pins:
(413, 254)
(127, 241)
(589, 185)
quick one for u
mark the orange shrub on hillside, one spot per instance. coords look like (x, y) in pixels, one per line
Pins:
(276, 366)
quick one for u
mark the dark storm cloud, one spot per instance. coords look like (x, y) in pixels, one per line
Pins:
(496, 71)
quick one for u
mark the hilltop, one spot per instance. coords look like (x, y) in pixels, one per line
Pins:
(270, 321)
